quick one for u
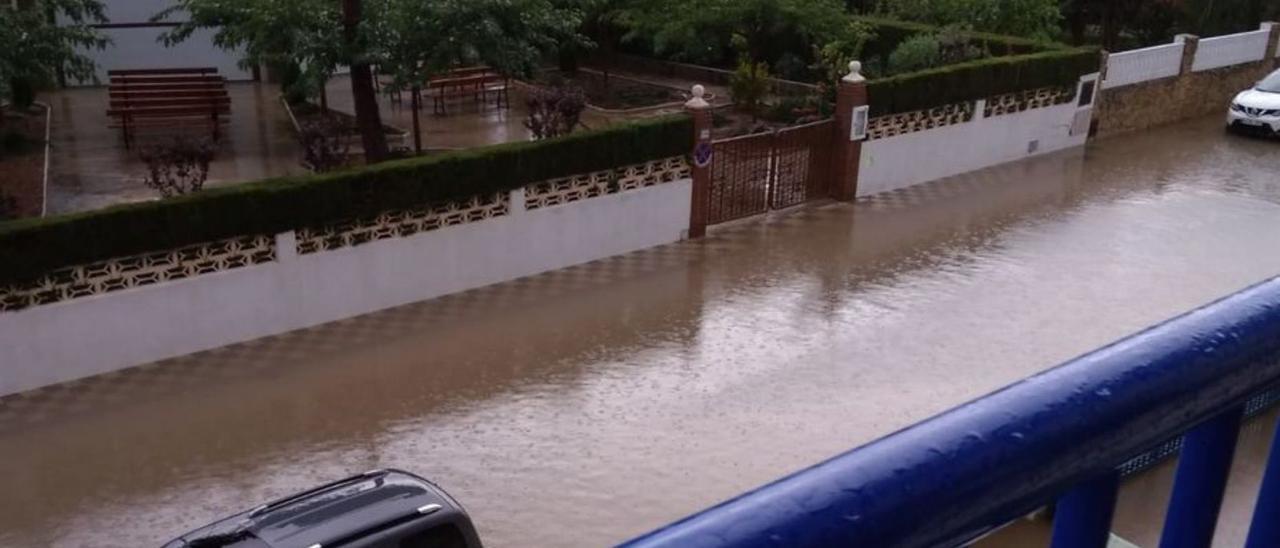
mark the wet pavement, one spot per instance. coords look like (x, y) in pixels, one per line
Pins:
(90, 167)
(588, 405)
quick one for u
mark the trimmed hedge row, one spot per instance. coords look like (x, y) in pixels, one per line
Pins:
(30, 248)
(980, 79)
(892, 32)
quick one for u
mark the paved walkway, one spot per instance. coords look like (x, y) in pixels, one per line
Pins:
(90, 167)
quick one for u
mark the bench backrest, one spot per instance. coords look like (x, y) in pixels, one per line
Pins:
(197, 71)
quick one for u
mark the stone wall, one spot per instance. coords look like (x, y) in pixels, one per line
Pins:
(1189, 95)
(1150, 104)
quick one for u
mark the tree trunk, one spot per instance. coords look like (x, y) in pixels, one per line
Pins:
(1110, 26)
(417, 127)
(367, 116)
(1077, 23)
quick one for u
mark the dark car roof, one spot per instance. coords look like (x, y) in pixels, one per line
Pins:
(330, 512)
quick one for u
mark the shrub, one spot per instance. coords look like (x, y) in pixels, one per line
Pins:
(554, 112)
(12, 141)
(8, 207)
(916, 53)
(22, 93)
(31, 247)
(326, 143)
(795, 110)
(179, 166)
(749, 85)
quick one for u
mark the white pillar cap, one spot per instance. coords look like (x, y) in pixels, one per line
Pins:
(855, 73)
(697, 98)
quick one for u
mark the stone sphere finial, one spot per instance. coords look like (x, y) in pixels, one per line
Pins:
(697, 97)
(855, 72)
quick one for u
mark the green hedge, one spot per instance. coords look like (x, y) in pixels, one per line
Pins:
(980, 79)
(891, 32)
(32, 247)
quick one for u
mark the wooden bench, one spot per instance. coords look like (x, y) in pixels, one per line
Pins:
(478, 85)
(144, 98)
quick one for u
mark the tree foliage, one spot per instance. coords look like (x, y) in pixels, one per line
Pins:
(1027, 18)
(298, 38)
(749, 85)
(413, 40)
(408, 40)
(35, 51)
(834, 56)
(700, 30)
(1125, 24)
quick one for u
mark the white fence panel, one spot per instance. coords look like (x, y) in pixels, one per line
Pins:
(1233, 49)
(1142, 65)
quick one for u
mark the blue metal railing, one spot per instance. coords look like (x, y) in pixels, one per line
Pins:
(1059, 436)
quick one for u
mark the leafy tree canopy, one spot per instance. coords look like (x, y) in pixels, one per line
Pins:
(1028, 18)
(412, 40)
(34, 50)
(281, 34)
(763, 30)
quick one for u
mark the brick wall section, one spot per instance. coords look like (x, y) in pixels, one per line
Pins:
(846, 155)
(701, 199)
(1190, 95)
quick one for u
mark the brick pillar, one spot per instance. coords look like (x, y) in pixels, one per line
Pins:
(1188, 51)
(700, 110)
(851, 93)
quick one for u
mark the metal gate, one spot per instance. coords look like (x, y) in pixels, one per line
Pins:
(753, 174)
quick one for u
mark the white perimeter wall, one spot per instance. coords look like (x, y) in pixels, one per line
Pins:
(915, 158)
(62, 342)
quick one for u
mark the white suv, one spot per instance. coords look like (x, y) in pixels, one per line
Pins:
(1258, 108)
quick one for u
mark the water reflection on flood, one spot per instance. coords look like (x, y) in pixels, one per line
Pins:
(588, 405)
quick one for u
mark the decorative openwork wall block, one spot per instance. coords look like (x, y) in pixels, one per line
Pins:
(893, 125)
(138, 270)
(402, 223)
(602, 183)
(1010, 103)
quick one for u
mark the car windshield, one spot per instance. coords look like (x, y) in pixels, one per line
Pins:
(1270, 84)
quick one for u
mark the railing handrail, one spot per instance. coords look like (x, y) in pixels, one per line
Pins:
(958, 475)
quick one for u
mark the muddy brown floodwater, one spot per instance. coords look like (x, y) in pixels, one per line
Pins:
(585, 406)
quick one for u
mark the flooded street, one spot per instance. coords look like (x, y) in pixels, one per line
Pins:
(585, 406)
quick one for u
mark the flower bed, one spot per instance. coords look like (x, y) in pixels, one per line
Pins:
(303, 114)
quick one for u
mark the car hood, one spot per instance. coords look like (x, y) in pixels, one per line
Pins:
(1259, 99)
